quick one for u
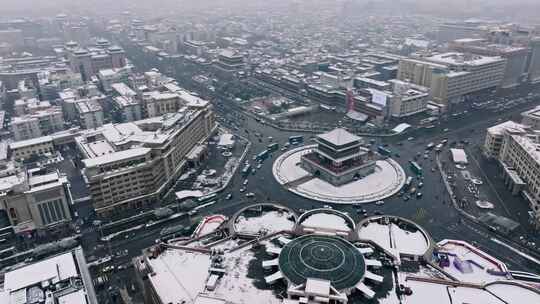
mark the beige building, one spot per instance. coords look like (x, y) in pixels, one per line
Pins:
(36, 146)
(158, 103)
(452, 76)
(132, 164)
(517, 148)
(34, 200)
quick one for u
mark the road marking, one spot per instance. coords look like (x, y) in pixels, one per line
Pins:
(526, 256)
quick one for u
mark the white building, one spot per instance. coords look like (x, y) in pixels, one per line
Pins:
(517, 148)
(90, 113)
(407, 99)
(128, 108)
(531, 118)
(39, 123)
(63, 278)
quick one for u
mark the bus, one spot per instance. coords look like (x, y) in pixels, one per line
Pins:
(246, 170)
(408, 183)
(207, 198)
(383, 151)
(415, 167)
(294, 140)
(262, 156)
(273, 147)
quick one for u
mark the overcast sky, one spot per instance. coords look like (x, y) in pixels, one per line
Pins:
(508, 9)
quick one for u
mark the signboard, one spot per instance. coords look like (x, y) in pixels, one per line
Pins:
(378, 97)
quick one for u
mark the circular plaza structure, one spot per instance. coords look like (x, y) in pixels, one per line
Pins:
(322, 257)
(386, 180)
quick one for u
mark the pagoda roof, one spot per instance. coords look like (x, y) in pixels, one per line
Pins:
(339, 137)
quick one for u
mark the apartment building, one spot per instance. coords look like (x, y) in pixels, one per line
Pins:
(517, 148)
(37, 124)
(127, 108)
(452, 76)
(132, 164)
(90, 113)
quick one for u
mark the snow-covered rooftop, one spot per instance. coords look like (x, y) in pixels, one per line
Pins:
(339, 137)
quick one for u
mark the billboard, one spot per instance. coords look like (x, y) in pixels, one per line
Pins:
(378, 97)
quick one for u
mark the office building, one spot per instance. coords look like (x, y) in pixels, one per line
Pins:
(453, 76)
(132, 164)
(63, 278)
(516, 57)
(534, 60)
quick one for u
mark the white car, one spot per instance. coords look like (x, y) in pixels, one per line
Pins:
(259, 166)
(250, 194)
(242, 189)
(245, 182)
(379, 203)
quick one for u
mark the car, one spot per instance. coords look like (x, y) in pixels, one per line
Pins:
(193, 212)
(426, 156)
(242, 189)
(229, 196)
(406, 197)
(410, 138)
(379, 203)
(446, 130)
(397, 155)
(259, 166)
(250, 194)
(420, 185)
(419, 194)
(328, 207)
(245, 182)
(283, 148)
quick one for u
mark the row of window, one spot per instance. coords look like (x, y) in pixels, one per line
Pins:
(52, 212)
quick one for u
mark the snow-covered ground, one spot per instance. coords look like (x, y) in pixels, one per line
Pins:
(513, 294)
(479, 260)
(391, 238)
(270, 221)
(326, 221)
(387, 180)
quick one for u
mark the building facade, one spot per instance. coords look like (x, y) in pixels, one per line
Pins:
(131, 164)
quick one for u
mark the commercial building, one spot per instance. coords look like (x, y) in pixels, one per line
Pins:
(452, 76)
(34, 200)
(517, 150)
(62, 278)
(90, 113)
(39, 123)
(516, 57)
(132, 164)
(127, 108)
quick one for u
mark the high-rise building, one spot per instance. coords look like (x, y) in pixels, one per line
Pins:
(534, 60)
